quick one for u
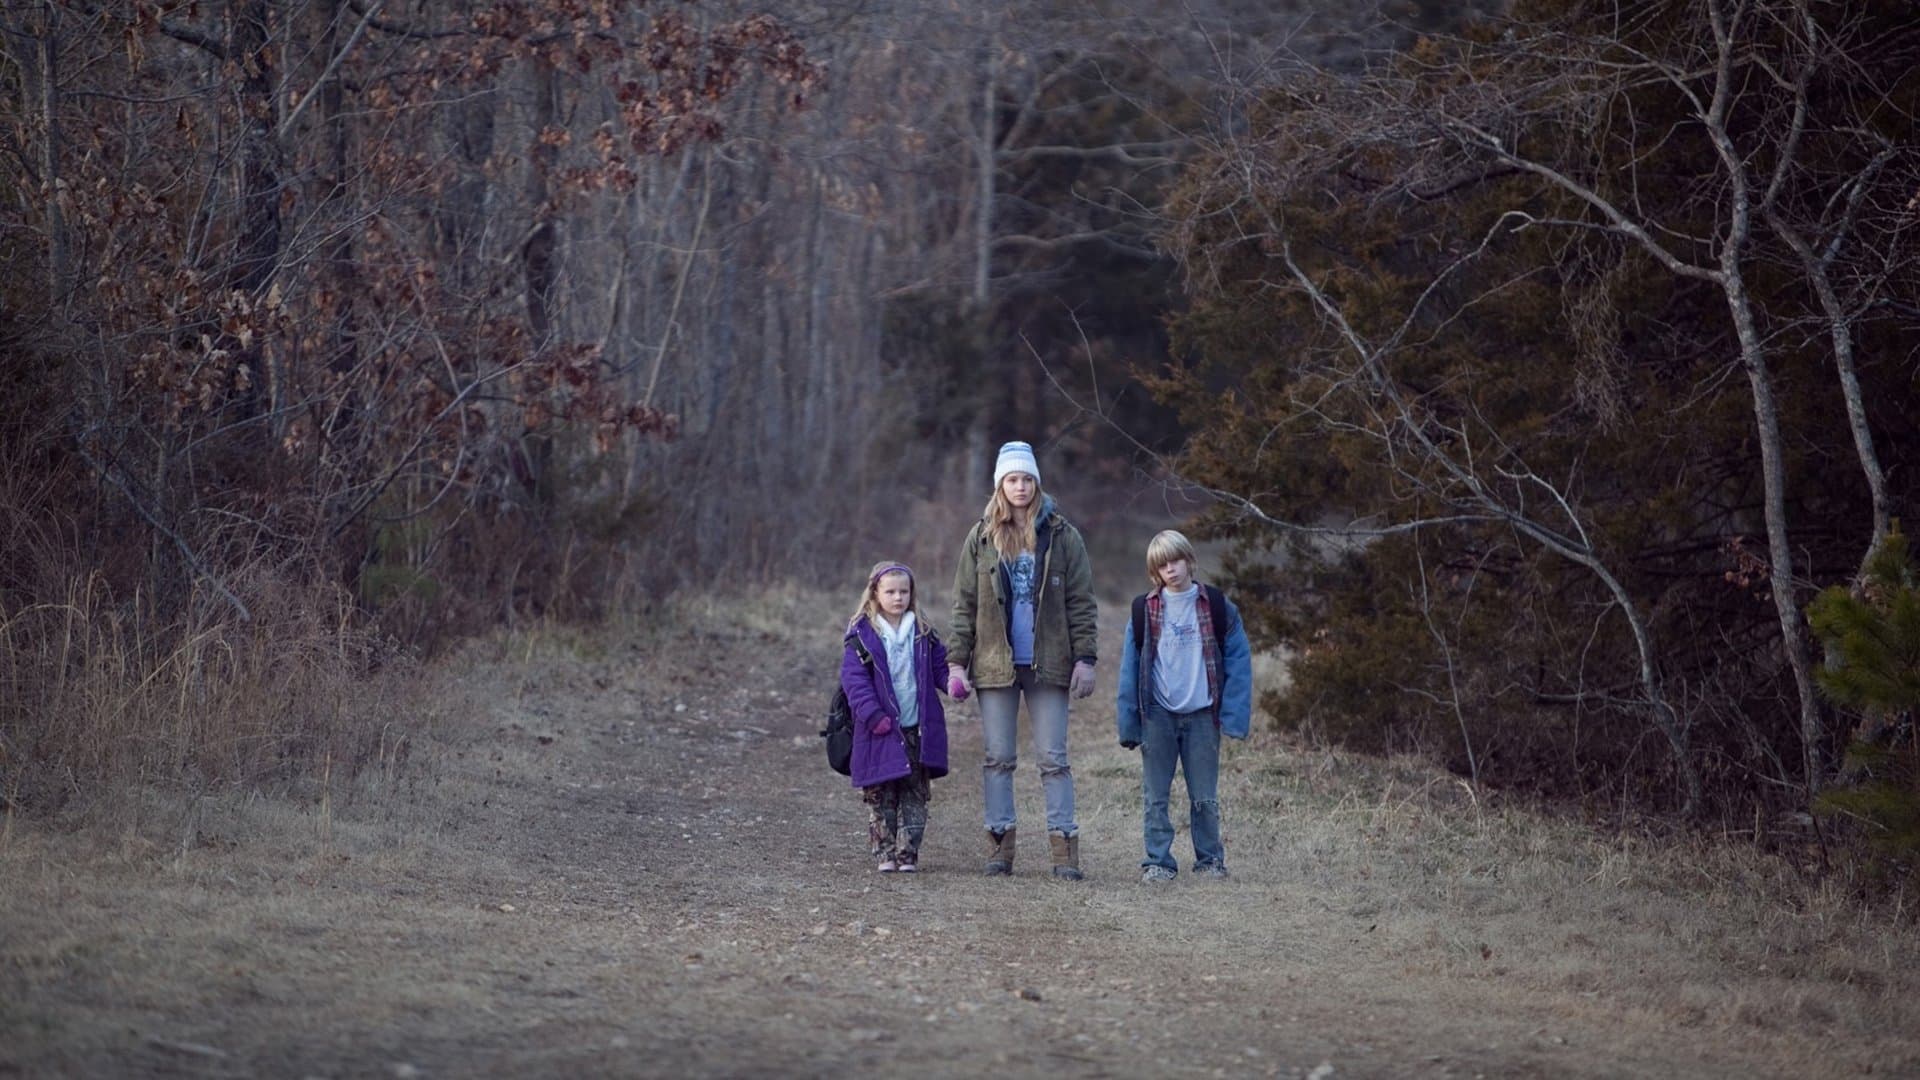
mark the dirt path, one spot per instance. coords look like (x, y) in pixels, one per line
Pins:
(628, 859)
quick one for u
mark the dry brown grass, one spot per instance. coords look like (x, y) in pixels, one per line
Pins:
(1403, 836)
(101, 699)
(1693, 931)
(1462, 887)
(612, 843)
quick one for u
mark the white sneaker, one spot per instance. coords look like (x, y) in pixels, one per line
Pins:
(1156, 873)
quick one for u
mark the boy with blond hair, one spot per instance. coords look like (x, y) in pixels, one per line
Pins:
(1186, 678)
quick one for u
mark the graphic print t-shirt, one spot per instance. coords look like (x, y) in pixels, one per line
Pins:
(1179, 667)
(1021, 574)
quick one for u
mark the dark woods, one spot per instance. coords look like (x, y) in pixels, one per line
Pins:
(1585, 330)
(299, 366)
(1602, 319)
(287, 289)
(345, 329)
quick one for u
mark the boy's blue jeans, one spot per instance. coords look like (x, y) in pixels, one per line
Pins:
(1192, 741)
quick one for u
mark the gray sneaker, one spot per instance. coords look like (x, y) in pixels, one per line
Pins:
(1154, 874)
(1216, 871)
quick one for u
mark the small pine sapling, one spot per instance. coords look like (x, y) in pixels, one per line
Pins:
(1872, 641)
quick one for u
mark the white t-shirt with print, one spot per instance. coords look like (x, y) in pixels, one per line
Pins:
(1179, 665)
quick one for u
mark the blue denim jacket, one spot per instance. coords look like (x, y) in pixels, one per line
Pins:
(1233, 711)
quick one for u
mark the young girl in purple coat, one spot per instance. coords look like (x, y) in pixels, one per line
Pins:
(899, 724)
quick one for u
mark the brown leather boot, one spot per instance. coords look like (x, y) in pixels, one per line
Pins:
(1066, 856)
(999, 854)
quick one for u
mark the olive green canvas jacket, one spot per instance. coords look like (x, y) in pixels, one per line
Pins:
(1065, 616)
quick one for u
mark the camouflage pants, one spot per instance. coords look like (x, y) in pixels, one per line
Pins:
(897, 809)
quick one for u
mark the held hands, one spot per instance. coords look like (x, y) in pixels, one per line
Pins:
(957, 685)
(1081, 684)
(883, 726)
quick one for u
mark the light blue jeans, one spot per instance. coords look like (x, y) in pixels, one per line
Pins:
(1190, 740)
(1047, 712)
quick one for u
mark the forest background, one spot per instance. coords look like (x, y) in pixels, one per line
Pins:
(1539, 365)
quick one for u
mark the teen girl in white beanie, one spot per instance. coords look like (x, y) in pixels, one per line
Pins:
(1024, 626)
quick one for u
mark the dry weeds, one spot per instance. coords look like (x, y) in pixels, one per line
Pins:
(98, 695)
(618, 852)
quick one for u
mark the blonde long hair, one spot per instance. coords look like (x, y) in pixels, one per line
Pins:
(1011, 530)
(870, 599)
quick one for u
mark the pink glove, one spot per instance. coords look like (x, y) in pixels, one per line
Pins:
(883, 726)
(957, 688)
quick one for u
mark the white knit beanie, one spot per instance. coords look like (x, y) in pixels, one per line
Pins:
(1015, 457)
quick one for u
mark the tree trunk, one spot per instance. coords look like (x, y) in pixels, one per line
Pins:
(818, 412)
(1840, 329)
(977, 469)
(541, 249)
(538, 257)
(1766, 412)
(259, 256)
(1840, 326)
(338, 261)
(1766, 415)
(59, 255)
(985, 171)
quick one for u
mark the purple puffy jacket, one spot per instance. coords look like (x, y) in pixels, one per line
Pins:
(880, 758)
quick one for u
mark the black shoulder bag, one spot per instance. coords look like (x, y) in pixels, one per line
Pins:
(839, 729)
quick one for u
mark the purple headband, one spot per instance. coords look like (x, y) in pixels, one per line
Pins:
(888, 569)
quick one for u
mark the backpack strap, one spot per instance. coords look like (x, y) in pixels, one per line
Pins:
(860, 648)
(1217, 612)
(1139, 621)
